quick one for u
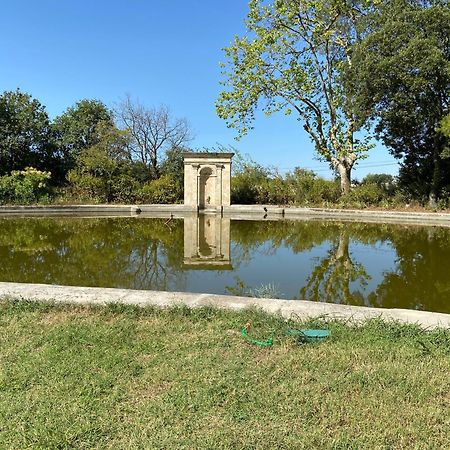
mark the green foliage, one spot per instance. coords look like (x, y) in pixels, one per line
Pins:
(255, 184)
(246, 185)
(173, 167)
(312, 190)
(444, 129)
(401, 79)
(368, 194)
(291, 60)
(380, 179)
(79, 128)
(102, 172)
(275, 191)
(24, 186)
(26, 138)
(165, 189)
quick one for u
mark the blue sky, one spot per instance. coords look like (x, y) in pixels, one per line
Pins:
(162, 52)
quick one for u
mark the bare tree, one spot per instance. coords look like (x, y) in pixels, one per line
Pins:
(153, 131)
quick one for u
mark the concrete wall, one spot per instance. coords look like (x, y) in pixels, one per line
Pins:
(234, 212)
(297, 309)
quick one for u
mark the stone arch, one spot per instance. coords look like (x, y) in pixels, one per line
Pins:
(207, 178)
(207, 187)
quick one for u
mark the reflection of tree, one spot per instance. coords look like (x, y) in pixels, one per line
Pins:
(421, 279)
(331, 278)
(142, 253)
(264, 238)
(124, 252)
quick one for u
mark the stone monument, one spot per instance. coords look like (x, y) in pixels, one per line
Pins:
(207, 242)
(207, 180)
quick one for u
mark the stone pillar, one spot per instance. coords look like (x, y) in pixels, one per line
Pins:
(219, 186)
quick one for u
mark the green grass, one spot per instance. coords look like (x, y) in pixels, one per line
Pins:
(129, 378)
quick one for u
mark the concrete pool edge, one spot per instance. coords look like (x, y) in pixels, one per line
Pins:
(299, 309)
(236, 212)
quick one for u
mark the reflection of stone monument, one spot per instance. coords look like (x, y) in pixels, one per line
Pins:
(207, 180)
(207, 242)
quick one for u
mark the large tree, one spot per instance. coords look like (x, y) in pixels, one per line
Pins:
(401, 78)
(153, 132)
(25, 133)
(78, 128)
(291, 59)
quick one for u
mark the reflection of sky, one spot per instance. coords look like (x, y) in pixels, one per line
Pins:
(288, 271)
(377, 260)
(124, 253)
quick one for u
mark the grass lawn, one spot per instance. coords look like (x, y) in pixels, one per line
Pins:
(129, 378)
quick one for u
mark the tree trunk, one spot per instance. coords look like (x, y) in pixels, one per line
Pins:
(155, 168)
(436, 180)
(345, 174)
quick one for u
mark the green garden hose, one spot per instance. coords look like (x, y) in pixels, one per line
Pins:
(308, 335)
(265, 343)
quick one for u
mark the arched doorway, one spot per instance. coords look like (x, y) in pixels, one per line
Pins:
(207, 188)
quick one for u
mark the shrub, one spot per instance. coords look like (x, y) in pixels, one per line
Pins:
(25, 186)
(309, 189)
(383, 180)
(247, 183)
(276, 191)
(125, 188)
(93, 175)
(364, 195)
(165, 189)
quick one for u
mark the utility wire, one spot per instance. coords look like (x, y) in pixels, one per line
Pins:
(323, 169)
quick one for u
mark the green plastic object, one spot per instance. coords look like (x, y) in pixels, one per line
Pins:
(310, 335)
(265, 343)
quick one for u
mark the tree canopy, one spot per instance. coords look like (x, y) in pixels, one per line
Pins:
(291, 59)
(26, 137)
(401, 80)
(78, 128)
(153, 132)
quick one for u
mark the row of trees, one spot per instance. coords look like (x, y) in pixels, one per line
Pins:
(95, 148)
(134, 155)
(350, 70)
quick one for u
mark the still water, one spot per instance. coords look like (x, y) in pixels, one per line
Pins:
(391, 266)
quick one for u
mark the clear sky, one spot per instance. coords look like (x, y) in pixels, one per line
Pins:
(162, 52)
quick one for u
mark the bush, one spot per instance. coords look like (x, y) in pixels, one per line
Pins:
(125, 188)
(309, 189)
(383, 180)
(25, 186)
(246, 185)
(256, 185)
(276, 191)
(370, 194)
(165, 189)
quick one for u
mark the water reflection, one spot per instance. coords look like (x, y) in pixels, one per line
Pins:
(351, 263)
(207, 242)
(332, 277)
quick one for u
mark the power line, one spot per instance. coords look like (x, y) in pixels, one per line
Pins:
(323, 169)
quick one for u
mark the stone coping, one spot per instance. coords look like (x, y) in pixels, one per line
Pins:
(237, 212)
(208, 155)
(296, 309)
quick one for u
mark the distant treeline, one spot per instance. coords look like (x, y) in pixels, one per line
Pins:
(133, 154)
